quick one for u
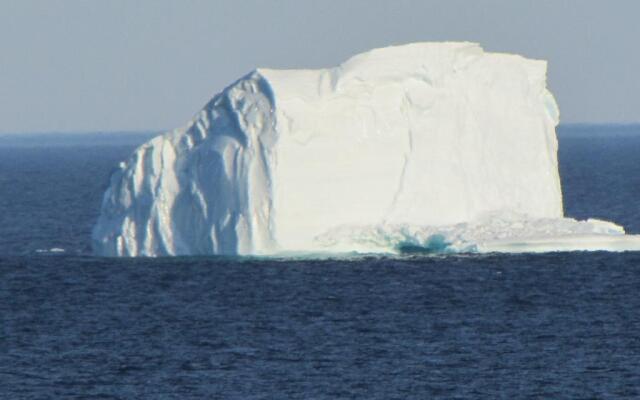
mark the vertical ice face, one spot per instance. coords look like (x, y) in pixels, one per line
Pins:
(428, 134)
(423, 134)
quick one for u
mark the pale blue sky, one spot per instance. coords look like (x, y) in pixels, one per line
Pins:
(70, 65)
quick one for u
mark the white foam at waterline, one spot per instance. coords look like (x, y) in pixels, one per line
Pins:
(51, 250)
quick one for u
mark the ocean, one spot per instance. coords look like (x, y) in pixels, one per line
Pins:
(472, 326)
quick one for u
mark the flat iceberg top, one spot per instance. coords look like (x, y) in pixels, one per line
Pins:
(429, 62)
(427, 135)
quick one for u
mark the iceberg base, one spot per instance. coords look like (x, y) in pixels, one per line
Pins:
(502, 233)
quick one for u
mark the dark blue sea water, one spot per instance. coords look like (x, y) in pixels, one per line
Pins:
(563, 325)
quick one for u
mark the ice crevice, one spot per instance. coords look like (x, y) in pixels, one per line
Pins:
(406, 101)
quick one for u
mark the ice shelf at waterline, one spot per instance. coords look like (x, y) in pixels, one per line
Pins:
(429, 145)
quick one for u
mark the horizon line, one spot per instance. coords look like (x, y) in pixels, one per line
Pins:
(161, 131)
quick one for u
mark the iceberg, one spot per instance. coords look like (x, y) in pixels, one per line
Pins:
(433, 146)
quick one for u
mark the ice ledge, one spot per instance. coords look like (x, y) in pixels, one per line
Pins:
(495, 232)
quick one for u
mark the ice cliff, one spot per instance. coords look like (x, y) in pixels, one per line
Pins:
(399, 146)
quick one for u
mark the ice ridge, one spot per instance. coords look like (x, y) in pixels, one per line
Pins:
(205, 189)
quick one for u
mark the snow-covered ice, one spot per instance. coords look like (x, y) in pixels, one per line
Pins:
(429, 145)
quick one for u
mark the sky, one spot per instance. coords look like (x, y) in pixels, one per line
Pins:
(122, 65)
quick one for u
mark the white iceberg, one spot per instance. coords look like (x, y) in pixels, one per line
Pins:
(397, 148)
